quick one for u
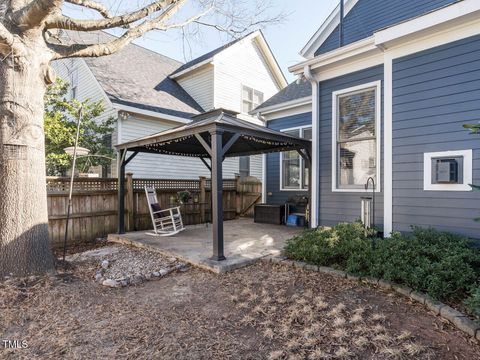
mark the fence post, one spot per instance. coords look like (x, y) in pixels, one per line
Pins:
(203, 184)
(129, 202)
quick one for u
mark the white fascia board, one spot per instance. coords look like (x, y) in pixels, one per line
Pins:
(267, 53)
(434, 21)
(329, 25)
(272, 61)
(190, 69)
(150, 113)
(284, 106)
(357, 48)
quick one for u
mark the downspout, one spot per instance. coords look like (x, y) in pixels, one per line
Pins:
(314, 186)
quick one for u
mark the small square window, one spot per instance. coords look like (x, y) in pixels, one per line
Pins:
(448, 171)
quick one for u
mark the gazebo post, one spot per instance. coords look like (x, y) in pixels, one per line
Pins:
(122, 163)
(121, 191)
(217, 194)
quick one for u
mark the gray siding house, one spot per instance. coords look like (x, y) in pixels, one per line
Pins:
(388, 101)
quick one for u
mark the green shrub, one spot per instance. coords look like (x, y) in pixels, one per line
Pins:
(473, 302)
(443, 265)
(345, 246)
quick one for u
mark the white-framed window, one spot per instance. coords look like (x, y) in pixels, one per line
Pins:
(74, 83)
(448, 170)
(251, 98)
(293, 170)
(356, 127)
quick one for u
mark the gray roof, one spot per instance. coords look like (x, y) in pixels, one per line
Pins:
(293, 91)
(138, 77)
(207, 56)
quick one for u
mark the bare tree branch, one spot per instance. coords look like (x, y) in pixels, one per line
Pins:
(6, 37)
(67, 23)
(33, 14)
(102, 9)
(96, 50)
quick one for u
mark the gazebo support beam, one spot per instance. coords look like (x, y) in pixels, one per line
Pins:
(207, 165)
(122, 163)
(121, 191)
(217, 196)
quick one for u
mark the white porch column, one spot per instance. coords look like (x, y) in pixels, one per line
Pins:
(388, 146)
(314, 201)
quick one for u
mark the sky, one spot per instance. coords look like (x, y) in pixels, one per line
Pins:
(303, 18)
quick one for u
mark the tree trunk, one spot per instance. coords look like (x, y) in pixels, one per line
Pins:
(24, 242)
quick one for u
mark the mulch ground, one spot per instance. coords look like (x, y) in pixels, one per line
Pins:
(261, 312)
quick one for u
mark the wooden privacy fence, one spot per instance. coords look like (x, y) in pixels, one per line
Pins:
(95, 201)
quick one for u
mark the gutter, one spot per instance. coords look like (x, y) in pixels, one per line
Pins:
(283, 106)
(150, 113)
(208, 61)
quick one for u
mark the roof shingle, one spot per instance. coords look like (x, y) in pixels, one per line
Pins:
(139, 77)
(293, 91)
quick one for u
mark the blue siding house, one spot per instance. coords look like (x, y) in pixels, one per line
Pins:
(387, 101)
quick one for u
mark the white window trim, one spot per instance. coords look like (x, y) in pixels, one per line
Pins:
(378, 127)
(301, 128)
(467, 171)
(242, 99)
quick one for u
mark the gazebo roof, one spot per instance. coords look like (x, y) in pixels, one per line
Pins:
(190, 139)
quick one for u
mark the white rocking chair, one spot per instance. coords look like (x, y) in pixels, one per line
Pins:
(166, 222)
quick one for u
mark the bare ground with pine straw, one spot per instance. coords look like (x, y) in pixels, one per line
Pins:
(264, 311)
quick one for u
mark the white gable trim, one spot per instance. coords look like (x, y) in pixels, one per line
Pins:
(440, 20)
(150, 113)
(329, 25)
(277, 72)
(258, 38)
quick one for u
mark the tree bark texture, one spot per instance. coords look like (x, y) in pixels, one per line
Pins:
(24, 242)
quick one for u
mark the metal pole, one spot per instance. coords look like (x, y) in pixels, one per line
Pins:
(340, 26)
(79, 120)
(217, 196)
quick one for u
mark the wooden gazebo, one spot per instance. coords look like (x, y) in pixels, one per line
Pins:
(213, 135)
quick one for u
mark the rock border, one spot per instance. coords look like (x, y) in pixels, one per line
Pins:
(136, 279)
(455, 317)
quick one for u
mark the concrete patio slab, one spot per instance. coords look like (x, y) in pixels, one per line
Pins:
(245, 243)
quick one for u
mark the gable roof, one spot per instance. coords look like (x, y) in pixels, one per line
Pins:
(139, 78)
(294, 91)
(263, 46)
(363, 18)
(206, 57)
(328, 26)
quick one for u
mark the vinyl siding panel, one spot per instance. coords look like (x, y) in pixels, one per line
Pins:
(368, 16)
(200, 86)
(242, 64)
(338, 207)
(435, 92)
(165, 166)
(273, 160)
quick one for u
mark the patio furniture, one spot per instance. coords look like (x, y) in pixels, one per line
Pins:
(166, 222)
(269, 214)
(296, 209)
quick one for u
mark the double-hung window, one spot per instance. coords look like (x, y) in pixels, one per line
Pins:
(355, 137)
(293, 170)
(251, 98)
